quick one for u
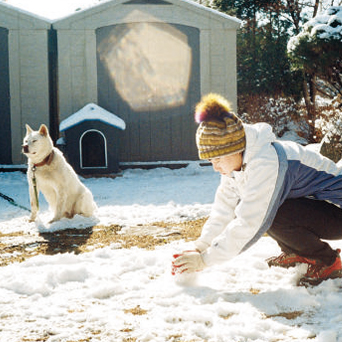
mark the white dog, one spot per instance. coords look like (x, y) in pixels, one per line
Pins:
(49, 172)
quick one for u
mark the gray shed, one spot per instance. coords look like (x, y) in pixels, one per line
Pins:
(148, 61)
(92, 139)
(24, 78)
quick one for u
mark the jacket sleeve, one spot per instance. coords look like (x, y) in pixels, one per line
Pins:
(222, 212)
(256, 189)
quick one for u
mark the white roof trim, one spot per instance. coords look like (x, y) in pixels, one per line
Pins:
(98, 7)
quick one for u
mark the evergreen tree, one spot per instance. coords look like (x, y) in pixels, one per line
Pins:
(263, 64)
(317, 52)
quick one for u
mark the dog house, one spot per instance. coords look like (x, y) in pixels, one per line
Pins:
(148, 61)
(24, 78)
(91, 140)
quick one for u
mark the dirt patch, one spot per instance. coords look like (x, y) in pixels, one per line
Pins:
(136, 311)
(287, 315)
(17, 247)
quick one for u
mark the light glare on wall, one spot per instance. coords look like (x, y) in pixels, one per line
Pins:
(149, 64)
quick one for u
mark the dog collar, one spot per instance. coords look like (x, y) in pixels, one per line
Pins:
(46, 161)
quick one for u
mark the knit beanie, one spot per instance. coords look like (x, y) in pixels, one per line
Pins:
(220, 132)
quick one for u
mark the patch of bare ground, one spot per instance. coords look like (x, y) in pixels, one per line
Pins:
(136, 311)
(287, 315)
(146, 236)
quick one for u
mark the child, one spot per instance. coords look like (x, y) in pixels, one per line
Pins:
(279, 187)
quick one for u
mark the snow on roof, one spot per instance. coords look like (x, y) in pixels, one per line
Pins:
(92, 112)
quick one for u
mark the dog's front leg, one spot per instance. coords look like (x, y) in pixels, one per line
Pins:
(57, 214)
(60, 200)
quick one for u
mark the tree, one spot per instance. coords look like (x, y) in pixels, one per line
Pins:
(263, 64)
(317, 52)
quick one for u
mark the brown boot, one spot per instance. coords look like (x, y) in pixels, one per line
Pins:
(288, 260)
(319, 272)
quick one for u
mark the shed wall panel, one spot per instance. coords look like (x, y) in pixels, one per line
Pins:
(77, 70)
(5, 113)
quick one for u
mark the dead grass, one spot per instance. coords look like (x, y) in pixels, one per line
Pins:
(85, 240)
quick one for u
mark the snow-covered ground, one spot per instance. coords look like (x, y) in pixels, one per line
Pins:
(114, 294)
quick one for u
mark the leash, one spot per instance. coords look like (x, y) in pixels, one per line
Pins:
(13, 202)
(34, 183)
(46, 161)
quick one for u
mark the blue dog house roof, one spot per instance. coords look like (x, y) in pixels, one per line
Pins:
(92, 112)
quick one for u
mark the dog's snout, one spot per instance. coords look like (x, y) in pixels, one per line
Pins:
(25, 148)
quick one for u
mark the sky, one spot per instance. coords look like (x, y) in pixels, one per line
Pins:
(53, 9)
(91, 296)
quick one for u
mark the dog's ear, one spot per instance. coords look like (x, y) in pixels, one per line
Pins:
(28, 129)
(43, 130)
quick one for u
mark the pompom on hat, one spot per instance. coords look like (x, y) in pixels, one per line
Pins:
(220, 132)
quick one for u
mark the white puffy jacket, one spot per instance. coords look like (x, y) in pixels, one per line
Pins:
(246, 203)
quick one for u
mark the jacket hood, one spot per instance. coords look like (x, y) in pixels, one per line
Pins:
(257, 135)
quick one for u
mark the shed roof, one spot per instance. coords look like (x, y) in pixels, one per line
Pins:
(92, 112)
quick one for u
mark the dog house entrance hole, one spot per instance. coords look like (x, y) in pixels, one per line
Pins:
(93, 150)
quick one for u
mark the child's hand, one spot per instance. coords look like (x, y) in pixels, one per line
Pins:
(188, 262)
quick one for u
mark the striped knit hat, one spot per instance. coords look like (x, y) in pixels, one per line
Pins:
(220, 132)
